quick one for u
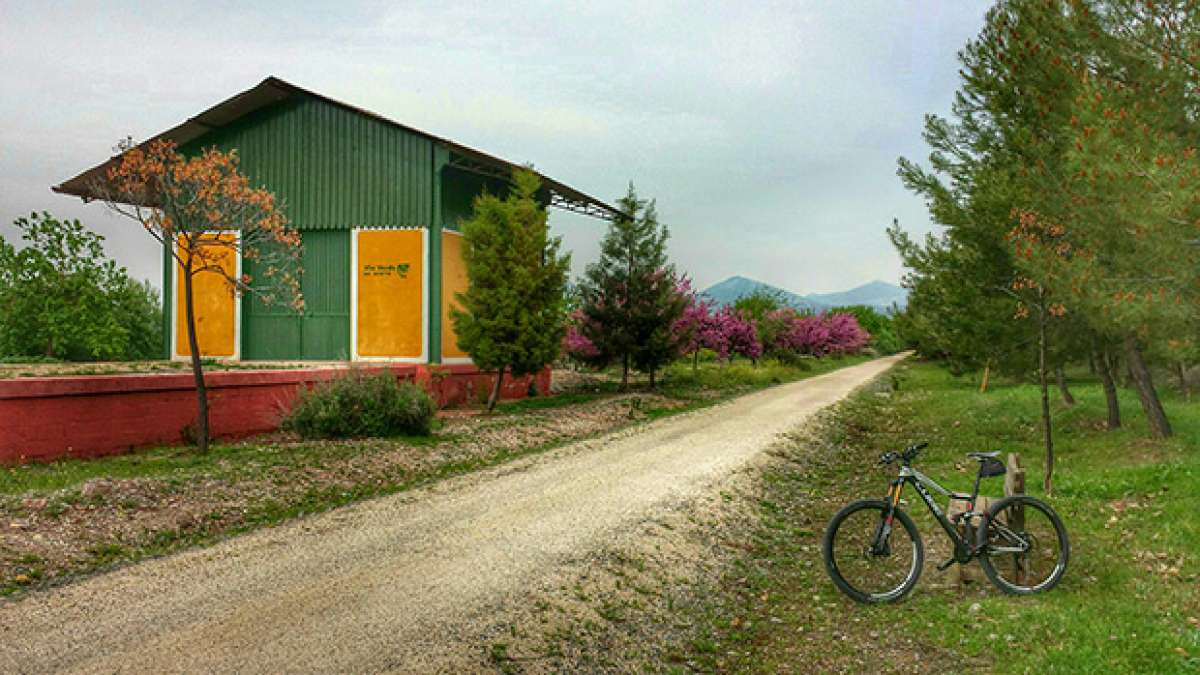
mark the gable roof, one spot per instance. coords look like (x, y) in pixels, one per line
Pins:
(273, 90)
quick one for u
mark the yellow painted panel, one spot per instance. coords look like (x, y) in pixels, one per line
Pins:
(214, 303)
(454, 280)
(390, 307)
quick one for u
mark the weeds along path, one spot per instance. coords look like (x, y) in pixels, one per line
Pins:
(400, 583)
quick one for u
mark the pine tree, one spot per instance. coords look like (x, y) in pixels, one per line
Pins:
(629, 297)
(1070, 172)
(512, 318)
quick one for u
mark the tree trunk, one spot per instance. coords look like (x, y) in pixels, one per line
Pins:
(1144, 384)
(1181, 373)
(696, 361)
(495, 395)
(197, 369)
(1092, 364)
(1067, 398)
(652, 383)
(1047, 432)
(625, 373)
(987, 373)
(1104, 369)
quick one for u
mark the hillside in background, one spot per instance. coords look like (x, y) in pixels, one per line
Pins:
(878, 294)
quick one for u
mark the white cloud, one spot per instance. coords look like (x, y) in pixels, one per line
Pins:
(767, 131)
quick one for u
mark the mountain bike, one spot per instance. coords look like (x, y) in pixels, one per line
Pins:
(1019, 541)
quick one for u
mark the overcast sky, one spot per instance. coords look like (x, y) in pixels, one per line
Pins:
(768, 132)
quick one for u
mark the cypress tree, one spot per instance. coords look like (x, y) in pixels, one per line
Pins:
(629, 297)
(512, 318)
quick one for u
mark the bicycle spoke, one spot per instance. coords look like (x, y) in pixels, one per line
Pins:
(1023, 546)
(871, 570)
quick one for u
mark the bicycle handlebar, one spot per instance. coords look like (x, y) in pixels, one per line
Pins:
(909, 454)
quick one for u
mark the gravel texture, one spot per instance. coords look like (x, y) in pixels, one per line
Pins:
(406, 583)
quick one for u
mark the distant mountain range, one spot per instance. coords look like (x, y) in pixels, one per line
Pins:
(878, 294)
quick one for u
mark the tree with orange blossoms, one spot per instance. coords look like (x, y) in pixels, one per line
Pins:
(204, 210)
(1123, 239)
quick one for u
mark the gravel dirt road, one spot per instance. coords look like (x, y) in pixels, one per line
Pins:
(403, 583)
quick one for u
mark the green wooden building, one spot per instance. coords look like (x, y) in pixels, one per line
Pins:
(367, 193)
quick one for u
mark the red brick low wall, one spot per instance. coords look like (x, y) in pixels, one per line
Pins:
(46, 418)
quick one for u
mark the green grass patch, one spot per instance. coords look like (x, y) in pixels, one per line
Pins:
(553, 401)
(1130, 601)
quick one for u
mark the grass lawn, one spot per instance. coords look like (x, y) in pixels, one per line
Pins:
(77, 516)
(1130, 601)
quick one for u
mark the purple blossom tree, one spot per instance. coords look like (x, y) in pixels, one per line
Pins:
(814, 335)
(689, 329)
(846, 336)
(730, 334)
(576, 345)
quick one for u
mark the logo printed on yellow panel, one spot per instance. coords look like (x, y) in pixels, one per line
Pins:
(399, 269)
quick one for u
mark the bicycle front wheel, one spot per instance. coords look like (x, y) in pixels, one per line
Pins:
(867, 566)
(1023, 545)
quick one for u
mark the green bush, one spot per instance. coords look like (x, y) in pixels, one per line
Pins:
(355, 405)
(62, 298)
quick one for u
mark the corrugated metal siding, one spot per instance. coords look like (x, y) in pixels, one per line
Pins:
(323, 332)
(332, 168)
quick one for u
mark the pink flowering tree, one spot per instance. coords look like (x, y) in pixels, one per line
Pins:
(846, 336)
(578, 346)
(787, 334)
(730, 334)
(689, 329)
(742, 335)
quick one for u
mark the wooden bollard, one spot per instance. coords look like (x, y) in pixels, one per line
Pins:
(1014, 476)
(1014, 484)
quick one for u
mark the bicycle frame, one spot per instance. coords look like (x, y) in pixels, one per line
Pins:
(963, 550)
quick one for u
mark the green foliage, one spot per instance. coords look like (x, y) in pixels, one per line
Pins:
(1113, 237)
(61, 298)
(757, 305)
(513, 314)
(139, 308)
(629, 298)
(884, 339)
(1069, 184)
(355, 405)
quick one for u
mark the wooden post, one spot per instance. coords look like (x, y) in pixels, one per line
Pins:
(1014, 476)
(1014, 484)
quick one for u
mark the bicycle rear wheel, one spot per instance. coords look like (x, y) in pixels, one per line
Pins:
(861, 569)
(1023, 547)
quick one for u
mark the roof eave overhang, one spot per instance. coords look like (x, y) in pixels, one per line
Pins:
(88, 185)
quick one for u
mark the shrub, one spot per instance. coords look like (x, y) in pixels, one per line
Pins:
(356, 405)
(880, 326)
(62, 299)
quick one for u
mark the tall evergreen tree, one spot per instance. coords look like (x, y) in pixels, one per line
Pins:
(1069, 181)
(629, 297)
(512, 318)
(1003, 152)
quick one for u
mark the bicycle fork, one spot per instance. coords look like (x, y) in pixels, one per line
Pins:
(881, 544)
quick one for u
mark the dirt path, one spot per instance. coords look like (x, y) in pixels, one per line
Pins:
(402, 583)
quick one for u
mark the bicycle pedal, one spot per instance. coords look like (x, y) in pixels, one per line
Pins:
(945, 565)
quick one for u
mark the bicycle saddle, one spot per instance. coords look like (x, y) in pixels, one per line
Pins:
(983, 455)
